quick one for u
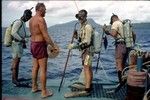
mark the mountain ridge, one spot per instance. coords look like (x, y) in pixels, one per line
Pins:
(69, 26)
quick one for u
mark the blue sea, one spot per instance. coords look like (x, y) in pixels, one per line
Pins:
(106, 70)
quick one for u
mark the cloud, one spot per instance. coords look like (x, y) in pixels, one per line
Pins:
(14, 4)
(64, 11)
(20, 5)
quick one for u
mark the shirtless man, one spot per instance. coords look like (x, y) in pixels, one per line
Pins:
(39, 41)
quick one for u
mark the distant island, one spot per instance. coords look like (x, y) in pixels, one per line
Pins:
(69, 27)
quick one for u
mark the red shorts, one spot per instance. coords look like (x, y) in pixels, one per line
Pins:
(39, 49)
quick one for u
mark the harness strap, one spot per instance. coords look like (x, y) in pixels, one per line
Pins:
(16, 40)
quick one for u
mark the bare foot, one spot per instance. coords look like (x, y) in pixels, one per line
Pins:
(46, 94)
(35, 89)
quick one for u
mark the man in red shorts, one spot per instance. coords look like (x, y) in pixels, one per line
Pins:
(39, 41)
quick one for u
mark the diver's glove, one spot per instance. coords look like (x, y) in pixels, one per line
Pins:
(73, 46)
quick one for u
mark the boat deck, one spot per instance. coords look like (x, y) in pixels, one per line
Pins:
(101, 91)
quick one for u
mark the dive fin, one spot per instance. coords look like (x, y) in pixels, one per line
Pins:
(76, 94)
(77, 86)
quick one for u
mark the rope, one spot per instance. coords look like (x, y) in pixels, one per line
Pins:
(130, 67)
(76, 5)
(146, 96)
(105, 72)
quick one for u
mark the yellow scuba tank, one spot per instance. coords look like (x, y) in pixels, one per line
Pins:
(8, 36)
(127, 31)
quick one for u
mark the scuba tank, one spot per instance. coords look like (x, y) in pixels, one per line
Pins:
(127, 31)
(97, 41)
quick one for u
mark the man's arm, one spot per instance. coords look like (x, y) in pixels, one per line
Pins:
(43, 29)
(15, 28)
(87, 40)
(113, 32)
(28, 35)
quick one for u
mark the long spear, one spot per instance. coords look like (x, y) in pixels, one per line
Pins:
(63, 75)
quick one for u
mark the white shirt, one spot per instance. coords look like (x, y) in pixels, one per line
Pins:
(118, 26)
(19, 30)
(86, 31)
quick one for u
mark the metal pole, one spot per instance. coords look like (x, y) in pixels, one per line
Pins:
(98, 56)
(63, 75)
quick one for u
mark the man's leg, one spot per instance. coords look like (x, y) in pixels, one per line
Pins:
(17, 52)
(120, 52)
(88, 72)
(88, 76)
(15, 69)
(43, 67)
(35, 70)
(119, 65)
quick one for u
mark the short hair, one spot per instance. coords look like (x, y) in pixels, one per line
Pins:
(113, 16)
(38, 5)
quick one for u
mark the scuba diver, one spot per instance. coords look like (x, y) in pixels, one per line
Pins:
(84, 45)
(122, 43)
(19, 43)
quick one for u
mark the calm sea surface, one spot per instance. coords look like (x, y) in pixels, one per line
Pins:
(56, 66)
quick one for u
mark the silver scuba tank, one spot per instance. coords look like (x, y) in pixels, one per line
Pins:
(127, 30)
(97, 41)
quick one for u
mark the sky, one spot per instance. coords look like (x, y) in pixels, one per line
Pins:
(64, 11)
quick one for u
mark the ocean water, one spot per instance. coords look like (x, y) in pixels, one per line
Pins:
(106, 71)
